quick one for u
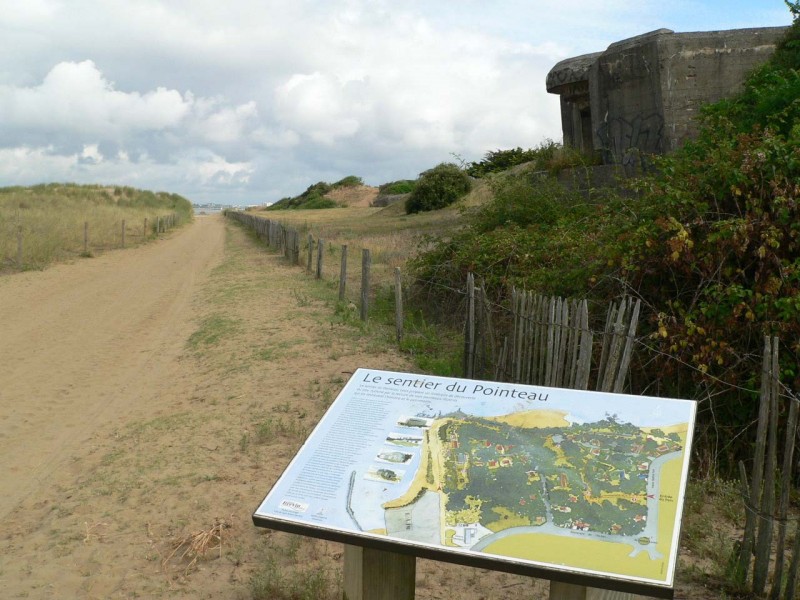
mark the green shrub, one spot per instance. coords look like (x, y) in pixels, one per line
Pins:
(533, 234)
(317, 202)
(437, 188)
(403, 186)
(714, 250)
(496, 161)
(549, 156)
(313, 196)
(349, 181)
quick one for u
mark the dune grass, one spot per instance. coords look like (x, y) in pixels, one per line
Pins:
(45, 223)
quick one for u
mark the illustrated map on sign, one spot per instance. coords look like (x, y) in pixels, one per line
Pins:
(572, 480)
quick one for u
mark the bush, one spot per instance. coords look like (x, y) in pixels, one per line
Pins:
(496, 161)
(403, 186)
(549, 156)
(715, 251)
(533, 234)
(437, 188)
(349, 181)
(313, 197)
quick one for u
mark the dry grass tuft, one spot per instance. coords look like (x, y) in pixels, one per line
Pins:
(196, 545)
(93, 531)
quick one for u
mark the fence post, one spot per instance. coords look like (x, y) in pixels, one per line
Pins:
(469, 330)
(343, 274)
(310, 252)
(144, 229)
(783, 506)
(19, 246)
(767, 504)
(320, 254)
(366, 261)
(123, 233)
(398, 304)
(86, 237)
(748, 538)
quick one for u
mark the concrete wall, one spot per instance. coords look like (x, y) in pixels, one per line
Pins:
(698, 68)
(642, 95)
(625, 99)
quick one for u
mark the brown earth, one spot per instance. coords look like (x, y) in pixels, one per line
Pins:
(359, 195)
(148, 400)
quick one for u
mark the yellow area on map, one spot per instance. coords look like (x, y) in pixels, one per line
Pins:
(680, 429)
(531, 419)
(581, 554)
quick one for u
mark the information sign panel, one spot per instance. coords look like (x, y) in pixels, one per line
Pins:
(570, 485)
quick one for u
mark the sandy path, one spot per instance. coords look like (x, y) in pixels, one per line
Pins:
(83, 344)
(155, 393)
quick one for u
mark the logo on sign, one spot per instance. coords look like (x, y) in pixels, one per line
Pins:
(298, 507)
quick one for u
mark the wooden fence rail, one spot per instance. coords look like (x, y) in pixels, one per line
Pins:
(287, 241)
(550, 342)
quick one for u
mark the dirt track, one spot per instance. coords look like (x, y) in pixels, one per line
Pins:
(84, 345)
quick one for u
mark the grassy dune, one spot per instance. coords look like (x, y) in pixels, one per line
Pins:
(50, 219)
(390, 235)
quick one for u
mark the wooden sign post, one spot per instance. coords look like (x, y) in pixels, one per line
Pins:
(377, 575)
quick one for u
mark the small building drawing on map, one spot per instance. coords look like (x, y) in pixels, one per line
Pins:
(395, 457)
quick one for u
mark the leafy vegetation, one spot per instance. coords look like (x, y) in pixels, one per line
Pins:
(438, 187)
(533, 234)
(548, 156)
(715, 245)
(402, 186)
(349, 181)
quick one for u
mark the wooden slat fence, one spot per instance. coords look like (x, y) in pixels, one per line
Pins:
(550, 341)
(767, 494)
(285, 239)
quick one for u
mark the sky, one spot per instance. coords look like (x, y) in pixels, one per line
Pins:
(246, 102)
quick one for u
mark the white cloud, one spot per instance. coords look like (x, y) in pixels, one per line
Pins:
(320, 106)
(76, 97)
(91, 154)
(190, 170)
(217, 170)
(248, 97)
(24, 165)
(225, 124)
(28, 12)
